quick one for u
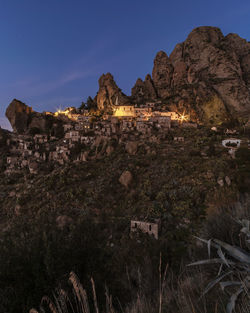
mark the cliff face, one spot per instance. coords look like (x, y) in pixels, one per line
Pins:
(206, 68)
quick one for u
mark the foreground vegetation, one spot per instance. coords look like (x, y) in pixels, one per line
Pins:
(77, 218)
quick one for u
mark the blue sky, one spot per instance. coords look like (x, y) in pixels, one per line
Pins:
(52, 52)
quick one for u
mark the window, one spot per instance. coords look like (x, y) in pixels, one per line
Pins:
(135, 225)
(150, 227)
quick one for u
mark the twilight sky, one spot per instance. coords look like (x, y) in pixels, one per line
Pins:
(52, 52)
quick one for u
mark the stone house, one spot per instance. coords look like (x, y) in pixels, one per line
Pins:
(232, 144)
(151, 228)
(38, 138)
(73, 135)
(234, 141)
(124, 110)
(127, 125)
(79, 126)
(82, 118)
(12, 160)
(143, 127)
(67, 127)
(141, 112)
(172, 115)
(179, 139)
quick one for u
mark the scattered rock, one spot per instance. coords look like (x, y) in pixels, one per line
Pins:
(131, 147)
(33, 167)
(12, 194)
(109, 150)
(228, 180)
(63, 221)
(126, 179)
(17, 209)
(220, 182)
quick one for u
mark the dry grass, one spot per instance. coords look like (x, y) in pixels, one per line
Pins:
(175, 295)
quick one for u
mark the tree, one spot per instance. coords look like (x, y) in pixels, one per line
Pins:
(83, 106)
(91, 105)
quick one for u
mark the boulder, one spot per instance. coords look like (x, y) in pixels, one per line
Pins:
(109, 150)
(18, 115)
(228, 180)
(131, 147)
(63, 220)
(126, 179)
(33, 167)
(220, 182)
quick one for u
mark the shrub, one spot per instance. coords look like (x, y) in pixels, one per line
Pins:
(234, 264)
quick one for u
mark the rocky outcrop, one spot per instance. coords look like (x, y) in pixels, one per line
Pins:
(18, 115)
(162, 74)
(131, 147)
(208, 75)
(25, 121)
(144, 90)
(109, 94)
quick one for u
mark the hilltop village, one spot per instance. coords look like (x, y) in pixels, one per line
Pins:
(83, 135)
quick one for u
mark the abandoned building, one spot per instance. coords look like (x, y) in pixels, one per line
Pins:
(151, 228)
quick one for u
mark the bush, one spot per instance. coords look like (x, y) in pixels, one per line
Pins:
(234, 266)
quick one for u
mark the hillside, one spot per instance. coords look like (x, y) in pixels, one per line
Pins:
(64, 207)
(116, 189)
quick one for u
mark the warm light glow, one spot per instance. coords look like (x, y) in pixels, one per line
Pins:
(66, 112)
(124, 111)
(182, 117)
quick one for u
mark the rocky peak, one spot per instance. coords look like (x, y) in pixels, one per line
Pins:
(109, 94)
(204, 35)
(162, 74)
(144, 90)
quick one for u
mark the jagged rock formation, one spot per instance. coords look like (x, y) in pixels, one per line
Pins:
(162, 74)
(144, 90)
(25, 121)
(207, 75)
(109, 94)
